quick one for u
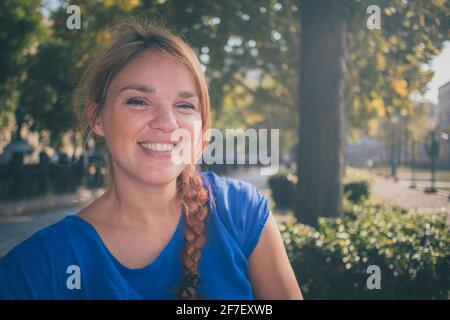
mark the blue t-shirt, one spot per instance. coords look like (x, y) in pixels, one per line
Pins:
(68, 260)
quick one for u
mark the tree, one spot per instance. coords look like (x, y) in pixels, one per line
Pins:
(322, 88)
(385, 72)
(20, 26)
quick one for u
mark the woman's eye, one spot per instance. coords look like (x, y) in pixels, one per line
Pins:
(186, 106)
(136, 101)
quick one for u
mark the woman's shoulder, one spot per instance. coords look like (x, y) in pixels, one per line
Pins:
(241, 207)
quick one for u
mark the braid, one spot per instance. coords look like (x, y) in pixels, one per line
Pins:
(194, 197)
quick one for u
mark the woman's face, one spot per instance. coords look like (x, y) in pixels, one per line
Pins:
(148, 100)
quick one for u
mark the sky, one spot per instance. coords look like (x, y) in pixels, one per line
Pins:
(441, 67)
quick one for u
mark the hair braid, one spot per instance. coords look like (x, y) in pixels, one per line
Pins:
(194, 197)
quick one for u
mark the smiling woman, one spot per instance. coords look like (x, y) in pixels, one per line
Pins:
(161, 230)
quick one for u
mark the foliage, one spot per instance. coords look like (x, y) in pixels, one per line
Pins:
(412, 252)
(283, 189)
(20, 23)
(387, 65)
(357, 191)
(283, 186)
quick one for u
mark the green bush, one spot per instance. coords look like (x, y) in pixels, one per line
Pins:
(283, 190)
(412, 252)
(356, 191)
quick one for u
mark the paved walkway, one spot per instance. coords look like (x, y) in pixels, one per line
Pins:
(382, 190)
(388, 191)
(20, 220)
(421, 179)
(49, 203)
(14, 229)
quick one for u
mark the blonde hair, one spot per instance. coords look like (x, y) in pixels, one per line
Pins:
(129, 39)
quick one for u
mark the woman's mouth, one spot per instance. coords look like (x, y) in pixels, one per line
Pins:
(158, 147)
(159, 150)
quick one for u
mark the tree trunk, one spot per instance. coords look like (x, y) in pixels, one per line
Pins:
(322, 85)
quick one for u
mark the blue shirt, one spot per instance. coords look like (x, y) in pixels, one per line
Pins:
(68, 260)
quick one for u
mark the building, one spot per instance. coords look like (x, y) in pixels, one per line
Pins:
(443, 125)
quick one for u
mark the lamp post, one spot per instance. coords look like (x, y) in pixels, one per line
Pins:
(432, 148)
(394, 121)
(413, 164)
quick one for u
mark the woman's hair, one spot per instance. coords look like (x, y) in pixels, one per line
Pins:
(128, 40)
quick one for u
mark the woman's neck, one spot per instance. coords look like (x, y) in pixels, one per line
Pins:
(131, 201)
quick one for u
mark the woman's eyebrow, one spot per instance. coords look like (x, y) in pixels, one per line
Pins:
(188, 94)
(149, 89)
(138, 87)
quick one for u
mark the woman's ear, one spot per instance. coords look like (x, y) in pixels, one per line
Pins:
(93, 119)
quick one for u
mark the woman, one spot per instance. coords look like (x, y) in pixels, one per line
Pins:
(161, 230)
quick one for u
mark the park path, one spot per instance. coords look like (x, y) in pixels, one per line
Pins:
(382, 190)
(390, 192)
(14, 229)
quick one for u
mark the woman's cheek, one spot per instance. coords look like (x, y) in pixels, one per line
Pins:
(128, 123)
(118, 127)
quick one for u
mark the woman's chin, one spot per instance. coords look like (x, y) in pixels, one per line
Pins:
(159, 177)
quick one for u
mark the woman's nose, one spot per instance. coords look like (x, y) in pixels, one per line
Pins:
(164, 119)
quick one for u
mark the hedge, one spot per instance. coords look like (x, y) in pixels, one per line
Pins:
(412, 252)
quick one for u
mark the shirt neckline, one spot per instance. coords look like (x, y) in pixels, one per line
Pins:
(91, 229)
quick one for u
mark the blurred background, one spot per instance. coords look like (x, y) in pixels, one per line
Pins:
(360, 93)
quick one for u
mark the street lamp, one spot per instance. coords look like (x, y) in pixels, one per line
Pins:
(394, 121)
(413, 164)
(432, 148)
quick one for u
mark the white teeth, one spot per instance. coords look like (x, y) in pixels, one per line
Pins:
(160, 147)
